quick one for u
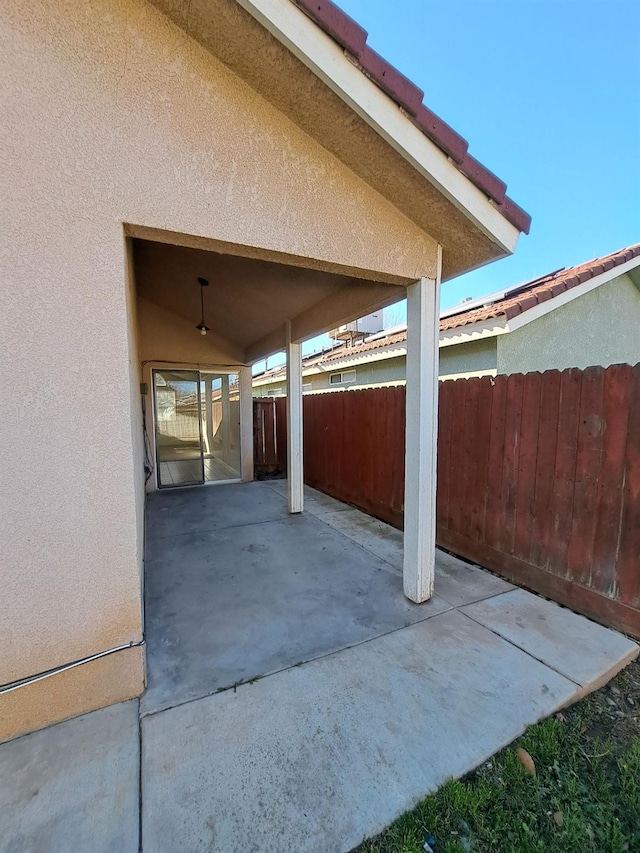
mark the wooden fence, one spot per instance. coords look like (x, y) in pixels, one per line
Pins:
(269, 436)
(539, 480)
(538, 476)
(354, 448)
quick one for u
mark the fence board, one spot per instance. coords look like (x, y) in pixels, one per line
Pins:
(456, 486)
(629, 548)
(445, 418)
(566, 447)
(527, 459)
(395, 446)
(281, 433)
(543, 501)
(513, 420)
(590, 429)
(608, 503)
(493, 513)
(478, 458)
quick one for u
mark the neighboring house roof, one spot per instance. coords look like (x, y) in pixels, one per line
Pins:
(517, 300)
(494, 309)
(353, 38)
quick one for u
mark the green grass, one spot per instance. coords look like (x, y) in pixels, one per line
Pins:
(585, 772)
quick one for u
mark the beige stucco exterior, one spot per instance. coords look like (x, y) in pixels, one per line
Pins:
(118, 124)
(601, 327)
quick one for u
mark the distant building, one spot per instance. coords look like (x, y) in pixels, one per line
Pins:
(577, 317)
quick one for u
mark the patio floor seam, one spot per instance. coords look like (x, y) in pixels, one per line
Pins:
(517, 646)
(142, 714)
(343, 508)
(220, 527)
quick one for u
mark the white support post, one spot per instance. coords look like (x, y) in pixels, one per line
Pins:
(423, 310)
(208, 411)
(246, 424)
(295, 473)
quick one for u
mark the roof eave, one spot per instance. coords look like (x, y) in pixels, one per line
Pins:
(319, 52)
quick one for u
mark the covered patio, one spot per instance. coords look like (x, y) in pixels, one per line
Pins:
(296, 699)
(270, 178)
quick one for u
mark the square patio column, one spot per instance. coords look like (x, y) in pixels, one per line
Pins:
(295, 473)
(423, 310)
(246, 424)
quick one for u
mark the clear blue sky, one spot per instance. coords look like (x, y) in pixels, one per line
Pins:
(547, 93)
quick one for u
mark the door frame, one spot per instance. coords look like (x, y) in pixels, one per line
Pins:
(198, 382)
(245, 390)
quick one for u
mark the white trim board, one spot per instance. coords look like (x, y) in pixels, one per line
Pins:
(473, 332)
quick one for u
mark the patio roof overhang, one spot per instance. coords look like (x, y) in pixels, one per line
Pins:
(312, 71)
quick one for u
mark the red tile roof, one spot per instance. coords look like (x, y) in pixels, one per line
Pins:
(353, 38)
(520, 299)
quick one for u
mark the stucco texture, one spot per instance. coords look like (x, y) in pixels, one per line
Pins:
(93, 685)
(468, 359)
(113, 115)
(598, 328)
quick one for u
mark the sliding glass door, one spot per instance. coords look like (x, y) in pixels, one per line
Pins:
(221, 426)
(178, 428)
(197, 427)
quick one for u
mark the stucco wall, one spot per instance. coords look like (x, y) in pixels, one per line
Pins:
(112, 115)
(386, 370)
(599, 328)
(468, 358)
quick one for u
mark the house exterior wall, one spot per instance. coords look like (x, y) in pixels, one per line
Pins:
(598, 328)
(112, 115)
(475, 358)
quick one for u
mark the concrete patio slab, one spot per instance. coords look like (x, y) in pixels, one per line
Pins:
(180, 512)
(73, 786)
(319, 756)
(227, 605)
(457, 582)
(377, 537)
(315, 502)
(583, 651)
(358, 702)
(460, 583)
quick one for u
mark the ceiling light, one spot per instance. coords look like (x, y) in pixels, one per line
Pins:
(202, 328)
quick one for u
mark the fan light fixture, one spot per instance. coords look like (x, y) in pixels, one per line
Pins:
(202, 328)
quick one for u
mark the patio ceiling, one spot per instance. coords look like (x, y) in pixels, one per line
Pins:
(249, 300)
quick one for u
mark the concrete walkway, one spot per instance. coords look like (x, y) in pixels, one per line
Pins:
(355, 703)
